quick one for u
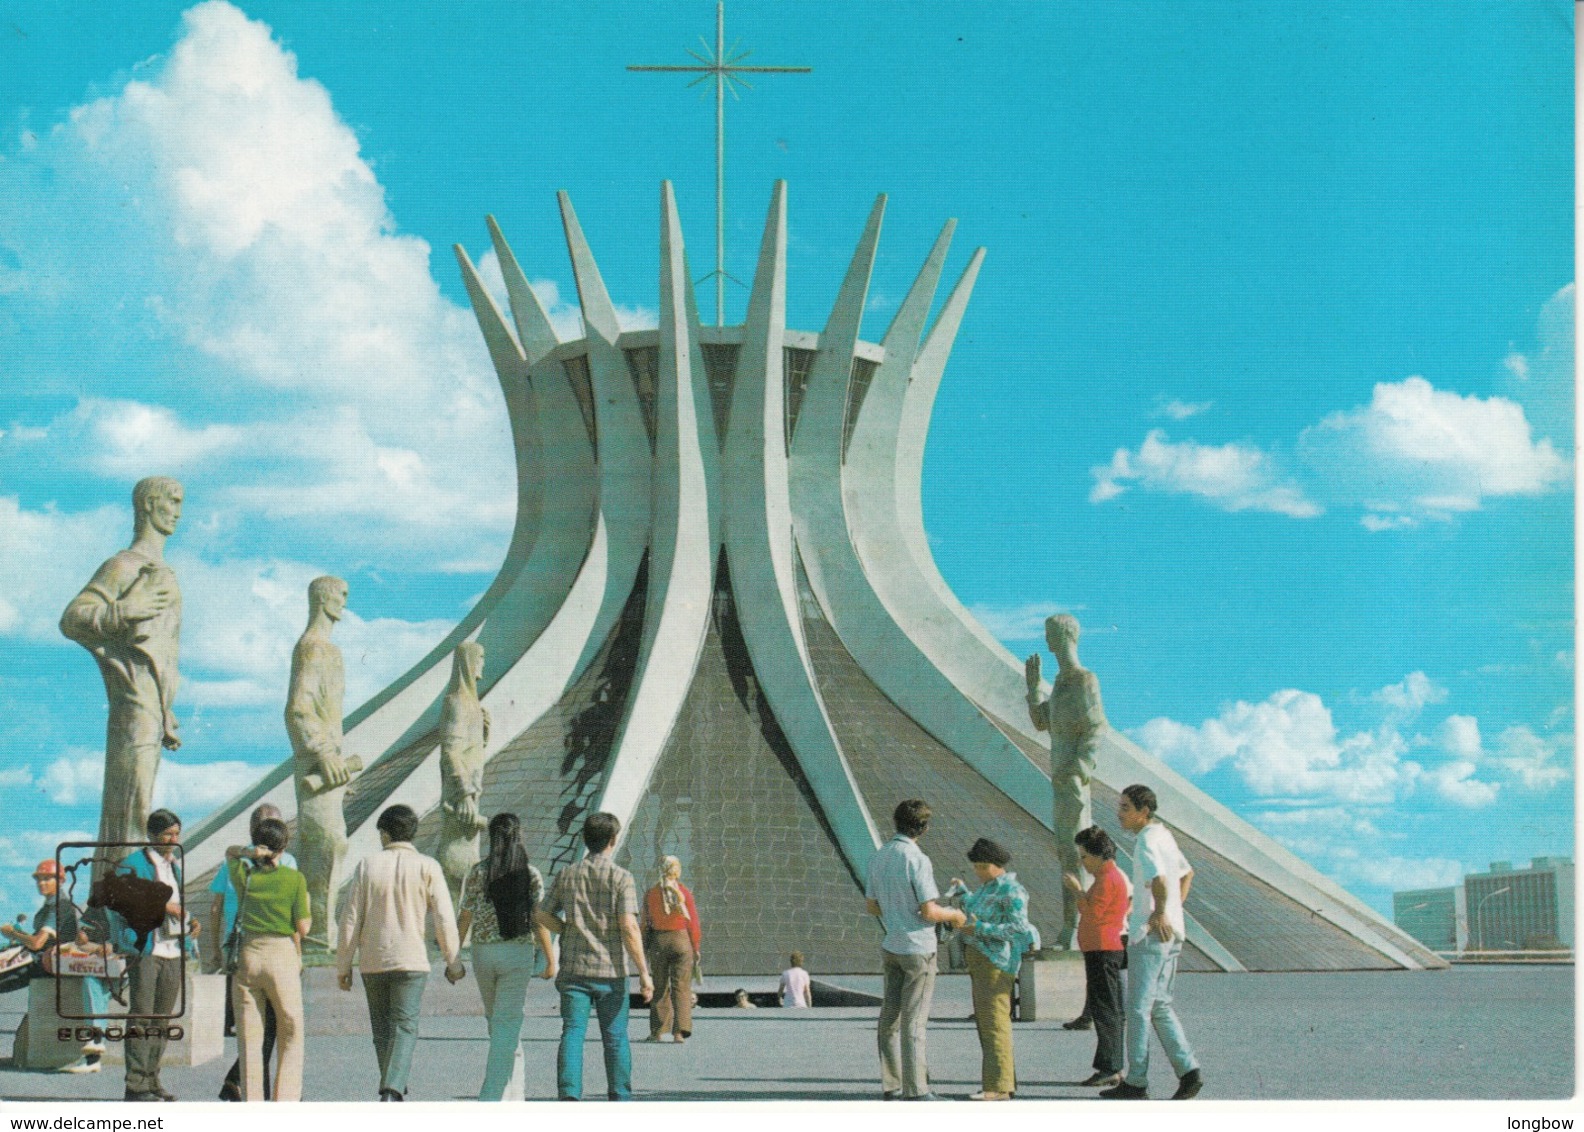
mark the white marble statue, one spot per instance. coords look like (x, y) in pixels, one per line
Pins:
(320, 768)
(129, 617)
(1075, 719)
(464, 729)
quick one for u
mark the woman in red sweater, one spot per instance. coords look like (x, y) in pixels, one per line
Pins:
(671, 927)
(1102, 912)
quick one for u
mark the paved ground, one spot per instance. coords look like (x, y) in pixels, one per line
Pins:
(1472, 1032)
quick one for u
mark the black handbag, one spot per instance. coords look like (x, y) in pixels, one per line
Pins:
(231, 950)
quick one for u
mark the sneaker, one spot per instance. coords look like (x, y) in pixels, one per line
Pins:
(891, 1095)
(1188, 1086)
(93, 1049)
(924, 1097)
(984, 1096)
(81, 1065)
(231, 1091)
(1125, 1092)
(391, 1095)
(1082, 1022)
(1102, 1080)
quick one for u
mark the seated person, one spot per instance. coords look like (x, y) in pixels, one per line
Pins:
(46, 929)
(56, 920)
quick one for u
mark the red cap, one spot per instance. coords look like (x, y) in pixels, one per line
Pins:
(47, 869)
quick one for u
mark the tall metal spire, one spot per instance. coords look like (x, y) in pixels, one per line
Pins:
(723, 67)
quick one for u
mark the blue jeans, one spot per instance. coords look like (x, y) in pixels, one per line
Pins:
(503, 971)
(1152, 968)
(608, 998)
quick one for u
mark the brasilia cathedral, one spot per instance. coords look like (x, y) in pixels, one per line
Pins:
(719, 618)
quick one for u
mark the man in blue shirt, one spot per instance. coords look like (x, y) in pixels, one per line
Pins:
(901, 892)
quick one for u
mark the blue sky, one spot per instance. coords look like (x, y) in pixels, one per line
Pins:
(1268, 375)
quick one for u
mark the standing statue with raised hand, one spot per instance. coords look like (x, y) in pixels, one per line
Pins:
(129, 617)
(321, 770)
(464, 729)
(1075, 719)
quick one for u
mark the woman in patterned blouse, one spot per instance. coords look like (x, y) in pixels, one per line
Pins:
(998, 933)
(498, 901)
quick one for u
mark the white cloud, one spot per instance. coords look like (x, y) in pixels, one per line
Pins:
(1455, 782)
(1318, 832)
(1354, 850)
(1411, 695)
(123, 439)
(1182, 410)
(1536, 762)
(1543, 381)
(1415, 454)
(1234, 477)
(1017, 622)
(46, 557)
(242, 618)
(24, 849)
(1402, 873)
(1287, 746)
(194, 789)
(16, 776)
(259, 271)
(1459, 736)
(1420, 452)
(75, 778)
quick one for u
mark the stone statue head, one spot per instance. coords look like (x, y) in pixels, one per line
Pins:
(156, 501)
(327, 594)
(467, 665)
(1061, 631)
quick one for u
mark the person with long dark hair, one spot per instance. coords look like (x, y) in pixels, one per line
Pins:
(499, 897)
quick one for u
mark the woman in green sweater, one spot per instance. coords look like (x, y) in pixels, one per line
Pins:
(273, 917)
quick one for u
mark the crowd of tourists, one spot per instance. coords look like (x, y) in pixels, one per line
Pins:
(1130, 933)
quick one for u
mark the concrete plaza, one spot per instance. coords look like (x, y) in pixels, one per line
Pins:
(1502, 1032)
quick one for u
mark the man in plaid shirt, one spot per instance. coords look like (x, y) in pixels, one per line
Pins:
(593, 907)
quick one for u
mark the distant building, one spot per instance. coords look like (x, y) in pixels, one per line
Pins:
(1436, 917)
(1520, 909)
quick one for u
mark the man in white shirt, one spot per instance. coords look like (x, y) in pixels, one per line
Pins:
(1161, 879)
(795, 983)
(382, 923)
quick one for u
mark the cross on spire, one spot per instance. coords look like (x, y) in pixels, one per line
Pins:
(724, 67)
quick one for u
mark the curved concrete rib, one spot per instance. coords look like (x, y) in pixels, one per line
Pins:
(880, 648)
(548, 628)
(535, 333)
(623, 460)
(758, 537)
(686, 534)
